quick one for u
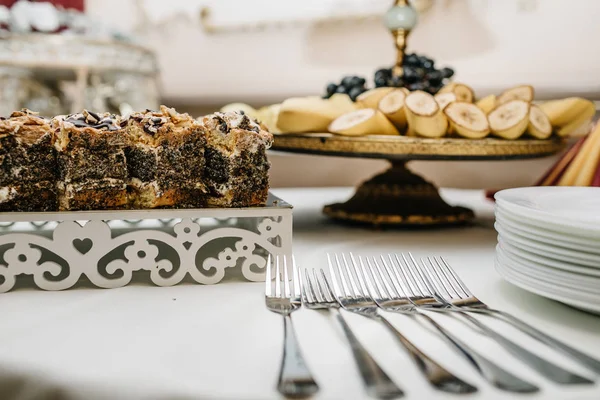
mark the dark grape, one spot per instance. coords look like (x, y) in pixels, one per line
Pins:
(428, 64)
(357, 81)
(447, 72)
(396, 81)
(341, 89)
(383, 72)
(412, 60)
(347, 81)
(434, 77)
(411, 75)
(355, 92)
(331, 88)
(380, 82)
(418, 86)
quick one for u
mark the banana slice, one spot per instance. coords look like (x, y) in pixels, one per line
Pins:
(487, 104)
(424, 116)
(444, 99)
(510, 120)
(366, 121)
(467, 120)
(462, 91)
(371, 98)
(539, 124)
(268, 116)
(311, 114)
(569, 115)
(392, 106)
(523, 92)
(237, 107)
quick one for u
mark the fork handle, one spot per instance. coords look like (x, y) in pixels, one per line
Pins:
(545, 368)
(489, 370)
(377, 383)
(436, 375)
(295, 379)
(583, 358)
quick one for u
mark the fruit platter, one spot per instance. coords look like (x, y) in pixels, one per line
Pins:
(415, 111)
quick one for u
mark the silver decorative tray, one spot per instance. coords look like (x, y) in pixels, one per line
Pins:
(57, 250)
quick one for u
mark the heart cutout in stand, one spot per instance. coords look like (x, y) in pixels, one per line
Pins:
(83, 245)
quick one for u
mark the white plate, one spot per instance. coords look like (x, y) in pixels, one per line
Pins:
(545, 291)
(550, 285)
(558, 253)
(548, 262)
(569, 280)
(546, 235)
(575, 208)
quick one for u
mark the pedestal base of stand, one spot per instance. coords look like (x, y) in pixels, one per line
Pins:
(398, 197)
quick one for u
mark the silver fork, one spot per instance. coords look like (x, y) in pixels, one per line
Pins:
(463, 298)
(392, 293)
(355, 298)
(320, 297)
(422, 277)
(295, 379)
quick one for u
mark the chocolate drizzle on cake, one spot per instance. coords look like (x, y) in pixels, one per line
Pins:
(89, 119)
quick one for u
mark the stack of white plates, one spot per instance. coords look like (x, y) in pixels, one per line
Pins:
(549, 242)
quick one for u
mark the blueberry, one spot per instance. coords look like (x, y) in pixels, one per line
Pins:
(396, 81)
(341, 89)
(331, 88)
(380, 82)
(420, 73)
(447, 72)
(355, 92)
(434, 77)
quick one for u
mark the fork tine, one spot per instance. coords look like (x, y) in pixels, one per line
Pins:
(348, 270)
(449, 272)
(336, 288)
(385, 284)
(373, 286)
(318, 289)
(286, 279)
(455, 275)
(420, 271)
(268, 277)
(394, 283)
(443, 278)
(360, 275)
(434, 279)
(307, 290)
(345, 287)
(415, 274)
(399, 282)
(296, 277)
(327, 292)
(277, 278)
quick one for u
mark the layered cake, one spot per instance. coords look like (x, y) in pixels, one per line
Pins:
(237, 170)
(165, 159)
(151, 159)
(92, 171)
(27, 163)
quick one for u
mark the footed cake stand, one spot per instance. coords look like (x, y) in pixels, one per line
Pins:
(399, 197)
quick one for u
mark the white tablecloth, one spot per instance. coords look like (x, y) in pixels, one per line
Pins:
(193, 341)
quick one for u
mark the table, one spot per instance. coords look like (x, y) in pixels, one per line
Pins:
(220, 342)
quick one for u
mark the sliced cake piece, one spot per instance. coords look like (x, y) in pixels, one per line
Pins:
(91, 161)
(165, 159)
(27, 163)
(237, 168)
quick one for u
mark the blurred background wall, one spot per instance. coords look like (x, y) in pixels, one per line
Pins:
(262, 51)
